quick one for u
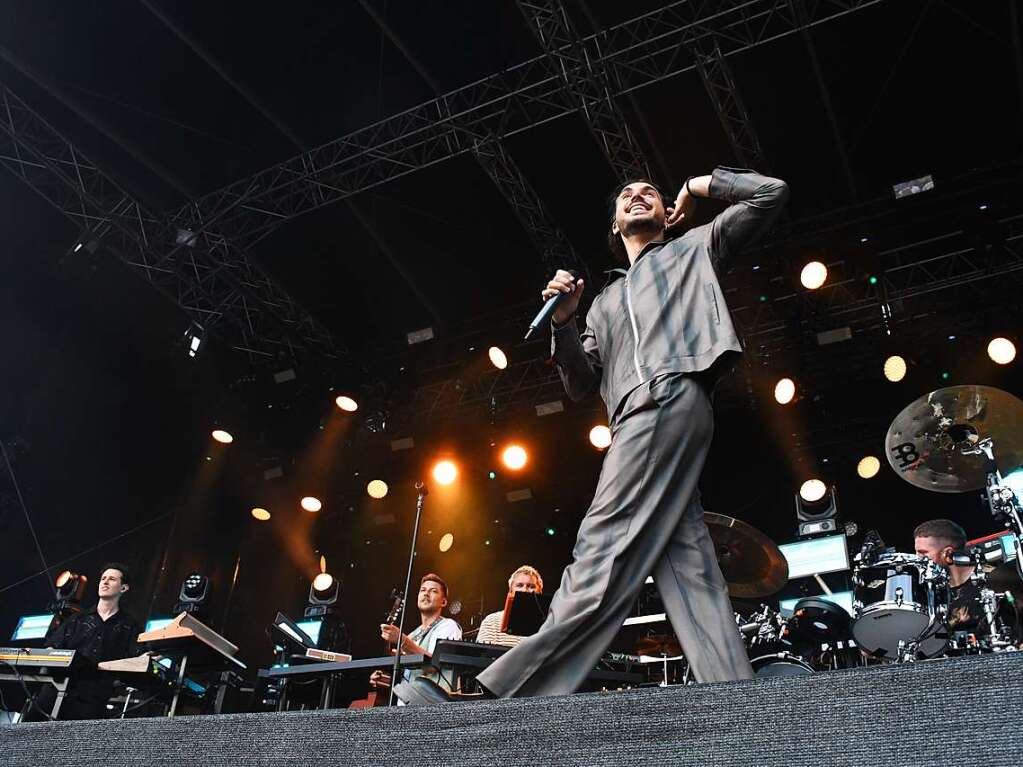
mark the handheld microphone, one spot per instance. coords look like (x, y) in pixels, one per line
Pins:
(547, 311)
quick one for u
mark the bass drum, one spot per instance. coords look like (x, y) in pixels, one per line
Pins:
(779, 664)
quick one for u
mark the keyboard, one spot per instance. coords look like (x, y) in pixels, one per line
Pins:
(317, 669)
(34, 657)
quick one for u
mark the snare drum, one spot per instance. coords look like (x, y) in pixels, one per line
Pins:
(779, 664)
(900, 598)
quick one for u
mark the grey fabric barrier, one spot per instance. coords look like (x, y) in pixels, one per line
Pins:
(957, 711)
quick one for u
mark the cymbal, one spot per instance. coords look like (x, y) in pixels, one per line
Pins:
(659, 644)
(925, 441)
(752, 564)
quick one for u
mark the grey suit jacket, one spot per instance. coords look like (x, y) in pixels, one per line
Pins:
(667, 312)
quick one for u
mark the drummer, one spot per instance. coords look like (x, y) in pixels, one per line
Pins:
(937, 539)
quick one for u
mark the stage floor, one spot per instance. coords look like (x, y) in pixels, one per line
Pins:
(955, 711)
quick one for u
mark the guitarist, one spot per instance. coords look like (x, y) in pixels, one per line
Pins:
(433, 626)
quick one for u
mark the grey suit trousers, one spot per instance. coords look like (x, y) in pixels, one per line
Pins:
(645, 519)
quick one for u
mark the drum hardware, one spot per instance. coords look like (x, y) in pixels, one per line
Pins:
(765, 626)
(816, 621)
(960, 439)
(901, 604)
(780, 664)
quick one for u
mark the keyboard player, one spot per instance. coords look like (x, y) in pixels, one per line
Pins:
(104, 632)
(527, 579)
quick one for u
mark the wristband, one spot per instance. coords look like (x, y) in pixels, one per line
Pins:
(686, 186)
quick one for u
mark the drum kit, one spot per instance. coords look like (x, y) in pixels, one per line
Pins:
(954, 440)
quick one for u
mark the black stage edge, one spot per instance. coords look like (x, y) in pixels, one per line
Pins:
(959, 711)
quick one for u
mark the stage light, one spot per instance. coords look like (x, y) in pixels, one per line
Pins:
(492, 474)
(194, 593)
(895, 368)
(497, 357)
(816, 508)
(70, 586)
(194, 338)
(814, 275)
(784, 391)
(872, 280)
(550, 531)
(868, 467)
(221, 436)
(486, 542)
(514, 457)
(346, 403)
(322, 582)
(446, 542)
(311, 503)
(377, 488)
(323, 592)
(600, 437)
(1002, 351)
(261, 514)
(812, 490)
(445, 472)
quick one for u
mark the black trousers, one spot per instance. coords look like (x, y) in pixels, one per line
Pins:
(645, 519)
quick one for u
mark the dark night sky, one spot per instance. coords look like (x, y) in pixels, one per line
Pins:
(107, 420)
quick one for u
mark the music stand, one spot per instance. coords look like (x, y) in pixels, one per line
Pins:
(526, 613)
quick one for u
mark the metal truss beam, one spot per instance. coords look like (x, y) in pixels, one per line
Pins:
(588, 83)
(912, 270)
(725, 96)
(555, 249)
(949, 260)
(207, 276)
(638, 53)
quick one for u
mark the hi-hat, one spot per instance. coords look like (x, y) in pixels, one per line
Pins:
(929, 443)
(752, 564)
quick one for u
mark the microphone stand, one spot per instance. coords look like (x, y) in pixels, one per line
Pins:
(423, 491)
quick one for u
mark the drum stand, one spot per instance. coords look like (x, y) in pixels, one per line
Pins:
(1004, 505)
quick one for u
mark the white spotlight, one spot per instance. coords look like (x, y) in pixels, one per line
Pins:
(814, 275)
(812, 490)
(895, 368)
(784, 391)
(868, 466)
(497, 357)
(1002, 351)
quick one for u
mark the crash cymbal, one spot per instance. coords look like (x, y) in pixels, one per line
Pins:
(752, 564)
(659, 644)
(926, 440)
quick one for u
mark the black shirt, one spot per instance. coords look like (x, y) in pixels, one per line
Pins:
(94, 640)
(965, 612)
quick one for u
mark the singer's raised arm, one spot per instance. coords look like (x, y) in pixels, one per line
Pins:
(756, 201)
(577, 358)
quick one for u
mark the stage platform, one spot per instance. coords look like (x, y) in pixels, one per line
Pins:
(961, 711)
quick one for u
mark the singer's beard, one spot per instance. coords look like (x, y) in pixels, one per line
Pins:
(636, 226)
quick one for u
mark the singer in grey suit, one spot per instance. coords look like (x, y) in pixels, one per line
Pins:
(655, 338)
